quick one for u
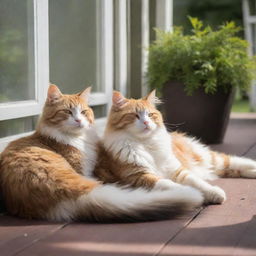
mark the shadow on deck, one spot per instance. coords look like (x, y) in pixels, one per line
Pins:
(228, 229)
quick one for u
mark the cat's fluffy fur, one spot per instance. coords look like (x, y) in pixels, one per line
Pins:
(144, 154)
(48, 175)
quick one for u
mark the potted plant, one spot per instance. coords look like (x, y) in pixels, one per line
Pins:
(197, 75)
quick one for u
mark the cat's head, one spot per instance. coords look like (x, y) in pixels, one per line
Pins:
(139, 117)
(67, 113)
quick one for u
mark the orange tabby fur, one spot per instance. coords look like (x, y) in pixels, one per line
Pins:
(136, 140)
(110, 169)
(37, 172)
(43, 176)
(183, 151)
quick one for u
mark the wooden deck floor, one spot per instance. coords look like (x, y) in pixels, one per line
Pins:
(228, 229)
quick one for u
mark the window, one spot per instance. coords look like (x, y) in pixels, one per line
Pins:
(22, 62)
(78, 38)
(17, 55)
(70, 43)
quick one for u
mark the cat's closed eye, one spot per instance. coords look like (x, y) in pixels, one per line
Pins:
(137, 116)
(83, 112)
(67, 111)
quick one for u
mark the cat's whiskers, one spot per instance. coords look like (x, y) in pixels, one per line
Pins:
(174, 125)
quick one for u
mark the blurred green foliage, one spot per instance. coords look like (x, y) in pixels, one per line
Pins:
(13, 70)
(16, 50)
(241, 106)
(207, 59)
(211, 12)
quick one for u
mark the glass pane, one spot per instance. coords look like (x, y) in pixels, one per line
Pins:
(99, 111)
(16, 50)
(253, 33)
(73, 31)
(17, 126)
(252, 7)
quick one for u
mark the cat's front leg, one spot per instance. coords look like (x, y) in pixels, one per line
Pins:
(212, 194)
(163, 184)
(149, 181)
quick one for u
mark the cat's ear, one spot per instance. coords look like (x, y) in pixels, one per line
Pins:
(118, 99)
(54, 94)
(85, 94)
(152, 99)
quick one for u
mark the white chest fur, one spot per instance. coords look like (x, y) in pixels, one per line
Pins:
(160, 147)
(86, 144)
(153, 152)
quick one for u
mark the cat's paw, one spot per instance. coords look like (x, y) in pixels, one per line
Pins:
(215, 195)
(164, 184)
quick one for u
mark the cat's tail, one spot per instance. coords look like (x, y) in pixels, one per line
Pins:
(233, 166)
(110, 203)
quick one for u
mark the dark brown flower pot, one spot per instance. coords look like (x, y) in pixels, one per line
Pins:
(201, 115)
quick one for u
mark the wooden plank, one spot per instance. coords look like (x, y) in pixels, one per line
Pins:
(109, 239)
(17, 234)
(228, 229)
(218, 230)
(248, 240)
(215, 235)
(239, 138)
(252, 152)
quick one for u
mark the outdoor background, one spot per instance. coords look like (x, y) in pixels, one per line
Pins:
(77, 43)
(213, 13)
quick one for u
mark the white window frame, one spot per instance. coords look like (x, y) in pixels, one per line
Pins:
(249, 22)
(105, 58)
(28, 108)
(19, 109)
(164, 14)
(121, 45)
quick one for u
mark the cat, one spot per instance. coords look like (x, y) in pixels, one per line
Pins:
(146, 155)
(48, 175)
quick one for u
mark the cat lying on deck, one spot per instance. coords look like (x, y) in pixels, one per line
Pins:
(48, 175)
(138, 151)
(57, 173)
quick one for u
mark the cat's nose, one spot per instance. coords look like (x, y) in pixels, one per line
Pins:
(78, 120)
(145, 122)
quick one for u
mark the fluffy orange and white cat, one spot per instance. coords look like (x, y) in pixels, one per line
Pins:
(145, 154)
(47, 175)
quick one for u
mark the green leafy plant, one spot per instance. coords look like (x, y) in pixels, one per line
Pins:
(207, 59)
